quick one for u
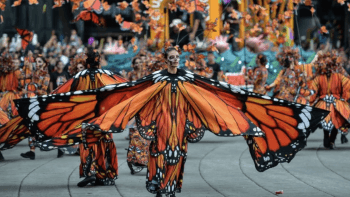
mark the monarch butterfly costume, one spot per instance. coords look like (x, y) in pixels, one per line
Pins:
(37, 85)
(15, 130)
(3, 120)
(101, 158)
(10, 89)
(293, 77)
(138, 151)
(170, 110)
(259, 79)
(101, 154)
(34, 83)
(288, 82)
(331, 91)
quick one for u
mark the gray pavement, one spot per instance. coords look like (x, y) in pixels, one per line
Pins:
(216, 166)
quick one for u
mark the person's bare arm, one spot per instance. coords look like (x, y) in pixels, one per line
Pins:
(195, 28)
(48, 43)
(51, 86)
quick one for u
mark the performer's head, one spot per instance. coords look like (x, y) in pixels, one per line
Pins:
(136, 63)
(77, 64)
(40, 62)
(328, 63)
(288, 57)
(172, 57)
(211, 57)
(80, 67)
(16, 63)
(93, 59)
(59, 66)
(261, 60)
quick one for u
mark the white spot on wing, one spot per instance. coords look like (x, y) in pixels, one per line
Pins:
(190, 76)
(266, 97)
(307, 113)
(224, 84)
(33, 111)
(33, 105)
(301, 125)
(305, 120)
(35, 118)
(121, 84)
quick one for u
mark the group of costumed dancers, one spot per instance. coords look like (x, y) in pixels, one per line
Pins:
(166, 107)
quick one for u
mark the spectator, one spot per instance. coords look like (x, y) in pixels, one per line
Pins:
(65, 57)
(103, 61)
(213, 65)
(233, 23)
(198, 29)
(74, 39)
(16, 64)
(178, 37)
(72, 52)
(58, 77)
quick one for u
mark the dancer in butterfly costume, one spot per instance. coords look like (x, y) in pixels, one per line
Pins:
(172, 107)
(291, 77)
(10, 75)
(138, 151)
(259, 76)
(34, 82)
(330, 90)
(3, 120)
(9, 83)
(15, 130)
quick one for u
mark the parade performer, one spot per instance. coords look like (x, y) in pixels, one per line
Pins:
(290, 79)
(259, 76)
(3, 120)
(138, 70)
(10, 77)
(330, 90)
(138, 150)
(15, 131)
(35, 83)
(197, 65)
(172, 107)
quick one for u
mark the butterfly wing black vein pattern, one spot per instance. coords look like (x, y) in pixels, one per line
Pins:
(284, 124)
(53, 115)
(274, 129)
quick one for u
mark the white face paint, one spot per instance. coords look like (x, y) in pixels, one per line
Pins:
(173, 59)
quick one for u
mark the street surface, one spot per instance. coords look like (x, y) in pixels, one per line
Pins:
(216, 166)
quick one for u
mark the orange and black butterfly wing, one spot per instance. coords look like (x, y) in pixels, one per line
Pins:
(119, 78)
(194, 128)
(89, 16)
(89, 79)
(284, 124)
(3, 118)
(69, 138)
(223, 118)
(66, 87)
(54, 115)
(83, 15)
(26, 37)
(98, 20)
(48, 116)
(12, 133)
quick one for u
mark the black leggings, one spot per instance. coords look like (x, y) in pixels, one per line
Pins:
(330, 138)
